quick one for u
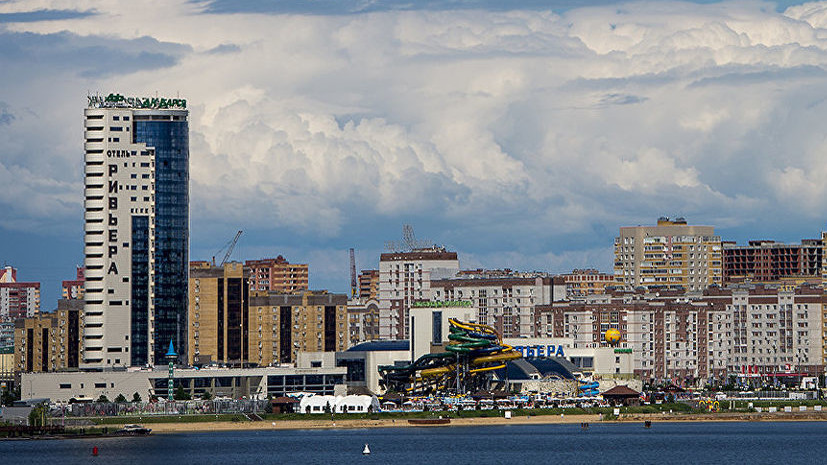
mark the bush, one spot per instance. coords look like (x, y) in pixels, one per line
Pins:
(103, 399)
(121, 399)
(136, 397)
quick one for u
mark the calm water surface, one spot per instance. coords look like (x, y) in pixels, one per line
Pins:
(664, 443)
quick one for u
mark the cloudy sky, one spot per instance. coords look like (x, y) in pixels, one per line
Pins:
(521, 134)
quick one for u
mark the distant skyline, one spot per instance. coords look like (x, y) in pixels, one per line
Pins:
(520, 134)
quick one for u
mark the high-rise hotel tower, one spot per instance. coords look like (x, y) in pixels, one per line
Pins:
(136, 230)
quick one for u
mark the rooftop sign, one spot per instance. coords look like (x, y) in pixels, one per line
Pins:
(119, 101)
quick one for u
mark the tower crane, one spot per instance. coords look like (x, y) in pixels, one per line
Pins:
(229, 246)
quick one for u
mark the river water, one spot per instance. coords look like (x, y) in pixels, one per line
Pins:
(613, 444)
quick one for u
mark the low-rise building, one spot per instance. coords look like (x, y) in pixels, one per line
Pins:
(218, 382)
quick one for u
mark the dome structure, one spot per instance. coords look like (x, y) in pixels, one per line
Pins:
(612, 336)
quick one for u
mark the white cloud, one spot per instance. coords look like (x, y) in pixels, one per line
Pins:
(535, 131)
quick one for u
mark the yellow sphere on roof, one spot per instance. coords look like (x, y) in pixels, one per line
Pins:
(612, 336)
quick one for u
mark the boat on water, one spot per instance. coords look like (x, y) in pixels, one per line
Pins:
(133, 430)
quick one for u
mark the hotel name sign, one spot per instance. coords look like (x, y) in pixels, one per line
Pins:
(149, 103)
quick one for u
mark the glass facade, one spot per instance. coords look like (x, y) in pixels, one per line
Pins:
(139, 325)
(168, 135)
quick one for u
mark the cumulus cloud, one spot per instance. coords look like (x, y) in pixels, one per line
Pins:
(515, 132)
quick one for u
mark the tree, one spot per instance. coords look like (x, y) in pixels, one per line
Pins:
(37, 417)
(120, 399)
(103, 399)
(181, 394)
(136, 397)
(206, 395)
(8, 396)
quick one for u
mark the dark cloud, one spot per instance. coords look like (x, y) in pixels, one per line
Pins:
(224, 48)
(621, 99)
(43, 15)
(754, 75)
(86, 56)
(6, 117)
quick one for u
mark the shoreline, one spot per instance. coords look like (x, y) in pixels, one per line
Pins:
(223, 426)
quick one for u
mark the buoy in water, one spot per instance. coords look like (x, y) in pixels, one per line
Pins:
(366, 450)
(95, 451)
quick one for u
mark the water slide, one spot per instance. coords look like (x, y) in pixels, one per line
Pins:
(588, 388)
(472, 350)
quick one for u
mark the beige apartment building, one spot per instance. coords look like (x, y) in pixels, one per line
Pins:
(230, 325)
(49, 341)
(671, 255)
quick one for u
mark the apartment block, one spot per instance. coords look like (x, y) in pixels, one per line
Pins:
(580, 283)
(279, 275)
(282, 325)
(505, 301)
(73, 289)
(369, 284)
(232, 326)
(363, 320)
(17, 299)
(751, 332)
(218, 313)
(405, 277)
(50, 341)
(769, 261)
(672, 255)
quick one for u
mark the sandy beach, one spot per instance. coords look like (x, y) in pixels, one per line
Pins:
(162, 428)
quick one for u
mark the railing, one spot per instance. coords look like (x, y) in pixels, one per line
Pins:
(189, 407)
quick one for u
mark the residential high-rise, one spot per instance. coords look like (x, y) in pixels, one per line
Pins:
(503, 299)
(369, 284)
(581, 283)
(405, 277)
(73, 289)
(277, 274)
(17, 299)
(671, 255)
(233, 326)
(137, 230)
(49, 341)
(767, 261)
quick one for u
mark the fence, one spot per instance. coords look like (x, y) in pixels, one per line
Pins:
(189, 407)
(770, 395)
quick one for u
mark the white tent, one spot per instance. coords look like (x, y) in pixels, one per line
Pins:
(317, 404)
(357, 404)
(339, 404)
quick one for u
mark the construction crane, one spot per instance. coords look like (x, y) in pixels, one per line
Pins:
(229, 246)
(354, 285)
